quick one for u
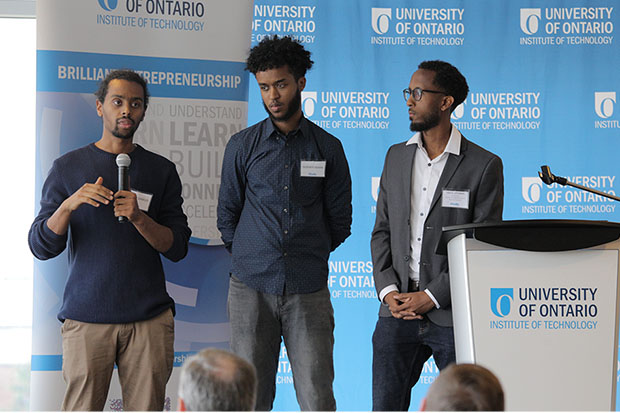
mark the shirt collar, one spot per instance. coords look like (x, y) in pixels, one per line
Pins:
(271, 129)
(453, 146)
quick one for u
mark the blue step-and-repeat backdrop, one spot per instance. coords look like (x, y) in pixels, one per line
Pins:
(544, 76)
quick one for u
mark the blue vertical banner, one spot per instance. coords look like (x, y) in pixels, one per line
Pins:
(544, 80)
(192, 55)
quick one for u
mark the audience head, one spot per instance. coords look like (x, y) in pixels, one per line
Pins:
(465, 387)
(217, 380)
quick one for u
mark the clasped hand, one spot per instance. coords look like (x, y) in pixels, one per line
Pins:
(408, 306)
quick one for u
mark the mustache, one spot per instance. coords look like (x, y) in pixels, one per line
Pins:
(125, 118)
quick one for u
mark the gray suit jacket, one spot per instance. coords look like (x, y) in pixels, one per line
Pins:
(474, 169)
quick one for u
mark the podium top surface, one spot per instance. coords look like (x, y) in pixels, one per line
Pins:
(536, 235)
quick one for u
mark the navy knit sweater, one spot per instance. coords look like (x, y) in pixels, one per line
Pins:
(115, 276)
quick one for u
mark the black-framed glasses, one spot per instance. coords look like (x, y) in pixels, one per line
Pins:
(417, 93)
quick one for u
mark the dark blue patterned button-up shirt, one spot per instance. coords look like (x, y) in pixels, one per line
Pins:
(279, 225)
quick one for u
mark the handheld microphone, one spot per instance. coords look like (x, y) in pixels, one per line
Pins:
(123, 161)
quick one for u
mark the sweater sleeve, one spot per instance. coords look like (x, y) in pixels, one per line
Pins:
(43, 242)
(172, 216)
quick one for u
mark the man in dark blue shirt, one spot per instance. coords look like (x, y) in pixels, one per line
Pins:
(115, 308)
(284, 205)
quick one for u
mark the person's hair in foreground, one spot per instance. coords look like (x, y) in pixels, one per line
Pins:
(465, 387)
(217, 380)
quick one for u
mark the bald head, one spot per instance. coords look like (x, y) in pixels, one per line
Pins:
(217, 380)
(465, 387)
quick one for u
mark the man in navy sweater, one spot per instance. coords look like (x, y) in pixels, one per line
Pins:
(115, 307)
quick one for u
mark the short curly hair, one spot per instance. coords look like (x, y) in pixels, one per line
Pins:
(122, 74)
(274, 52)
(448, 79)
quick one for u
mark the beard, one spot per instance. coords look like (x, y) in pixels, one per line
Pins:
(127, 135)
(118, 134)
(293, 107)
(427, 122)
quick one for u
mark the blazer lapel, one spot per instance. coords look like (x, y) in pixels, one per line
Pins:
(448, 171)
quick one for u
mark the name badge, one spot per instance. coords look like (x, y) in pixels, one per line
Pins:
(144, 200)
(313, 169)
(455, 199)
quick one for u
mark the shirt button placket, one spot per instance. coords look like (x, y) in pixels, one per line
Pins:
(286, 195)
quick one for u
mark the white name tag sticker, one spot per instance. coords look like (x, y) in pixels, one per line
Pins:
(313, 169)
(455, 199)
(144, 200)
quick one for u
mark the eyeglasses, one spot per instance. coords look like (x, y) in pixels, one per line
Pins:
(416, 93)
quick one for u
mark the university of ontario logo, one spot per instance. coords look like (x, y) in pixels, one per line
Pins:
(501, 301)
(308, 102)
(529, 20)
(530, 188)
(604, 104)
(108, 5)
(375, 183)
(459, 111)
(380, 20)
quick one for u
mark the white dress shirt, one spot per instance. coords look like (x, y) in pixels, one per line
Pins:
(425, 175)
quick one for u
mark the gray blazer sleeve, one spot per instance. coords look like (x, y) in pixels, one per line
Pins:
(381, 239)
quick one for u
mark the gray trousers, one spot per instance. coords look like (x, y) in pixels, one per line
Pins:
(258, 321)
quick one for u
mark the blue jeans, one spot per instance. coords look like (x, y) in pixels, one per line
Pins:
(399, 349)
(305, 321)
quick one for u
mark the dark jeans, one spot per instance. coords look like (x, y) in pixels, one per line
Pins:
(400, 348)
(305, 321)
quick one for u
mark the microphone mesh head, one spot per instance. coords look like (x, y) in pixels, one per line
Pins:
(123, 160)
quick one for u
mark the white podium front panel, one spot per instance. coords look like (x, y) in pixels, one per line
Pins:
(544, 322)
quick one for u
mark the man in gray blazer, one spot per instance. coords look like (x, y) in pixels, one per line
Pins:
(435, 179)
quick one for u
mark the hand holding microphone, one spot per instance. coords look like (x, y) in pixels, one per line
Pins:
(122, 201)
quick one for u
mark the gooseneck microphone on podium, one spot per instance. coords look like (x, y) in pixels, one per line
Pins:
(547, 177)
(123, 161)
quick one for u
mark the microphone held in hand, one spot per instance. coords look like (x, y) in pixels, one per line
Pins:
(123, 161)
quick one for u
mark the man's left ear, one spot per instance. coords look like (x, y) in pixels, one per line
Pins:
(99, 107)
(447, 102)
(301, 83)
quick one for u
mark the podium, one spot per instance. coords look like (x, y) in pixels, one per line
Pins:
(537, 302)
